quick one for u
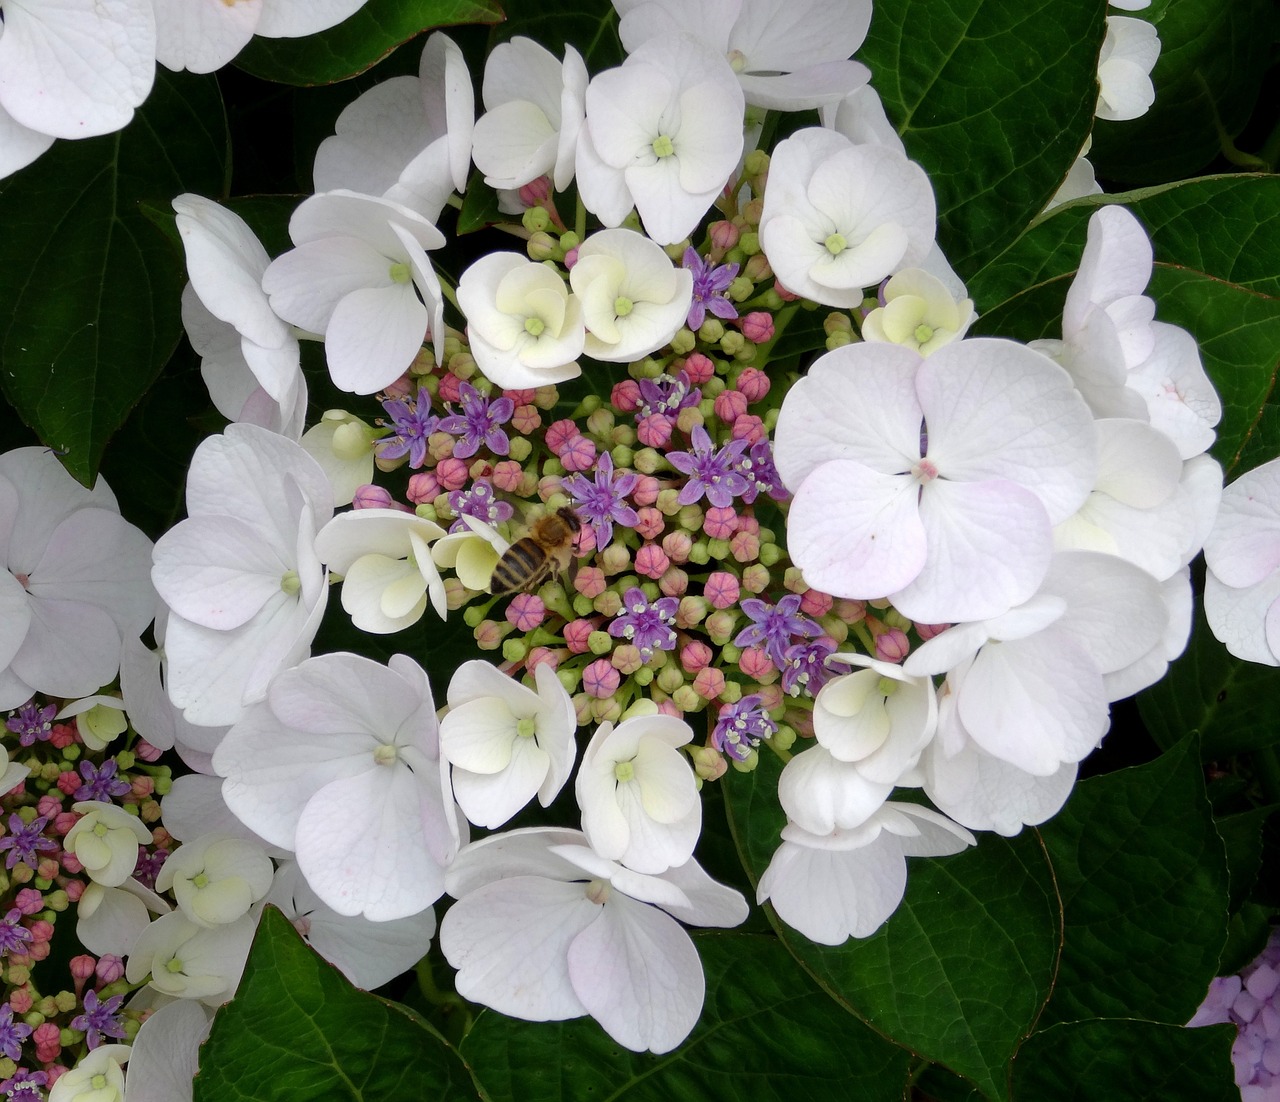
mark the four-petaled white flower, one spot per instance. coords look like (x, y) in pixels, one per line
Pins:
(105, 840)
(918, 312)
(525, 328)
(506, 742)
(545, 929)
(216, 878)
(638, 793)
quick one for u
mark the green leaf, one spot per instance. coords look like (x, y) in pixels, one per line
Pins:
(1130, 1060)
(994, 98)
(1229, 702)
(297, 1029)
(1143, 878)
(766, 1032)
(1212, 60)
(962, 969)
(359, 42)
(89, 293)
(1242, 835)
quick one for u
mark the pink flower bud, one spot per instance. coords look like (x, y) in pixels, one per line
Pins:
(579, 454)
(708, 763)
(75, 889)
(928, 631)
(590, 581)
(699, 368)
(756, 664)
(144, 751)
(695, 656)
(48, 1042)
(654, 431)
(646, 490)
(625, 396)
(109, 968)
(724, 235)
(48, 806)
(41, 932)
(452, 473)
(28, 901)
(668, 708)
(626, 659)
(615, 558)
(542, 656)
(489, 634)
(142, 787)
(651, 561)
(709, 683)
(750, 428)
(535, 192)
(770, 696)
(64, 821)
(757, 326)
(47, 868)
(571, 257)
(730, 405)
(401, 388)
(526, 420)
(600, 679)
(650, 522)
(677, 545)
(720, 522)
(20, 1000)
(82, 967)
(559, 434)
(815, 603)
(373, 497)
(519, 397)
(526, 611)
(783, 293)
(507, 476)
(754, 383)
(576, 634)
(755, 579)
(721, 589)
(744, 546)
(892, 645)
(62, 736)
(674, 582)
(450, 389)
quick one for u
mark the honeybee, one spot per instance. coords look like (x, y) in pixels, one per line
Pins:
(543, 551)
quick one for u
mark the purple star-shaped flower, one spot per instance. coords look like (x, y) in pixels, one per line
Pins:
(775, 626)
(666, 395)
(648, 627)
(740, 727)
(761, 475)
(13, 935)
(30, 723)
(805, 667)
(12, 1033)
(480, 422)
(711, 472)
(25, 1086)
(601, 502)
(100, 783)
(100, 1019)
(478, 501)
(149, 866)
(25, 840)
(413, 422)
(710, 282)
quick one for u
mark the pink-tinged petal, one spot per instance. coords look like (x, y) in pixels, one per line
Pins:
(296, 18)
(989, 545)
(19, 145)
(709, 903)
(375, 843)
(216, 571)
(1244, 546)
(203, 35)
(76, 68)
(510, 942)
(983, 792)
(70, 650)
(855, 532)
(997, 409)
(829, 894)
(1035, 703)
(1179, 395)
(638, 974)
(489, 800)
(166, 1051)
(858, 402)
(1243, 619)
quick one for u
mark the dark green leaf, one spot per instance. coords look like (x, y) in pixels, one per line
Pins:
(994, 98)
(1109, 1059)
(1230, 702)
(1242, 836)
(1212, 59)
(766, 1033)
(1143, 879)
(591, 26)
(1247, 935)
(922, 979)
(297, 1029)
(89, 291)
(358, 42)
